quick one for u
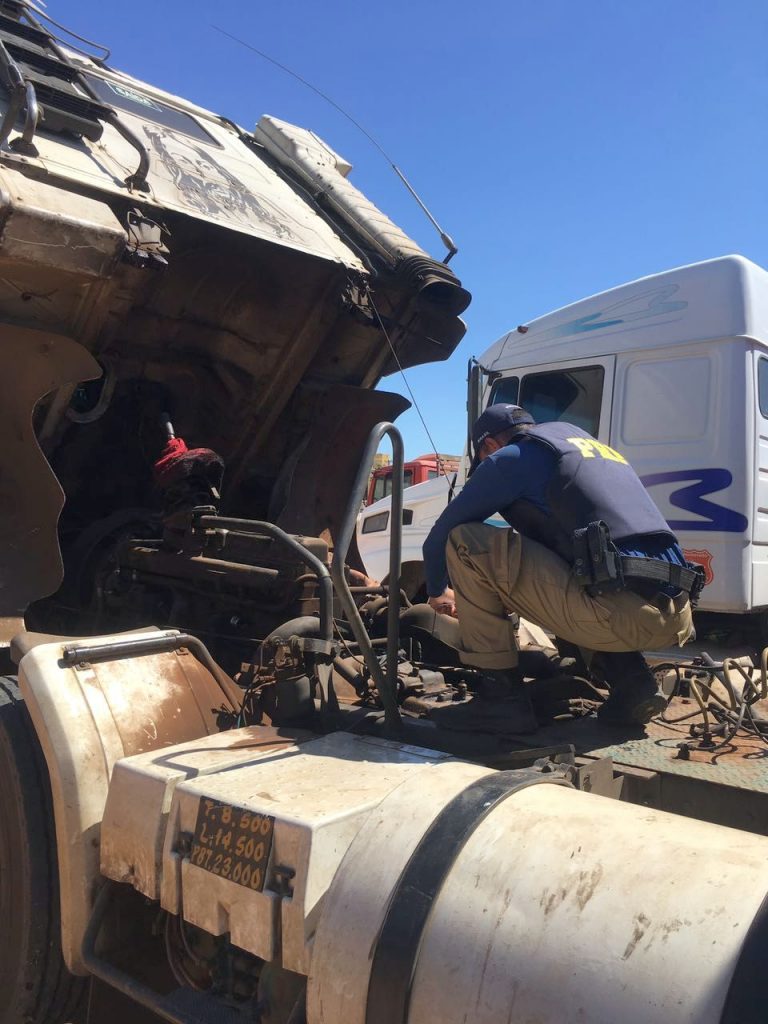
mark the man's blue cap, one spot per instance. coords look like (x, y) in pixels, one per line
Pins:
(495, 420)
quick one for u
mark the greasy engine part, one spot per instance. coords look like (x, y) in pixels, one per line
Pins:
(231, 584)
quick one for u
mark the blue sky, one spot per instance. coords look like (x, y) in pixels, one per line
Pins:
(566, 145)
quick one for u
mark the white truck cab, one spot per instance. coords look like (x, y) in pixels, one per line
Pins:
(672, 370)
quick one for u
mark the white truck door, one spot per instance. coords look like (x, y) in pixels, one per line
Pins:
(679, 417)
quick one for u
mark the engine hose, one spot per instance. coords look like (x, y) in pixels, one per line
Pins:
(303, 625)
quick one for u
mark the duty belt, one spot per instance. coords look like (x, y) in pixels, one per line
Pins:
(689, 578)
(601, 568)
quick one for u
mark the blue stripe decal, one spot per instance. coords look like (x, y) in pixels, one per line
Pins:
(691, 499)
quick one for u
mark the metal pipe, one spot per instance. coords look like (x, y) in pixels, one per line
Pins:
(17, 92)
(139, 177)
(386, 685)
(97, 46)
(258, 528)
(30, 121)
(14, 106)
(163, 559)
(137, 991)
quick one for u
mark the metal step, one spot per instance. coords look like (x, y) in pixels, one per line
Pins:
(13, 7)
(46, 91)
(23, 30)
(64, 106)
(38, 57)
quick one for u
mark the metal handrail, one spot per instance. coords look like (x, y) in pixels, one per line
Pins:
(385, 684)
(27, 142)
(29, 6)
(22, 96)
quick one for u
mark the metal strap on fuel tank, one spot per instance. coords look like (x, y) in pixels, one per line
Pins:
(745, 1002)
(397, 948)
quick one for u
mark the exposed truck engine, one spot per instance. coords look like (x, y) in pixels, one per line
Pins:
(243, 782)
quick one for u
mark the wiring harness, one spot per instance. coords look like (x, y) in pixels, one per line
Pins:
(722, 711)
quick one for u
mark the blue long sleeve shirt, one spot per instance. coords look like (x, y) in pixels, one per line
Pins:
(513, 473)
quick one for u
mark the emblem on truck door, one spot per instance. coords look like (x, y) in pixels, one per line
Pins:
(232, 842)
(703, 558)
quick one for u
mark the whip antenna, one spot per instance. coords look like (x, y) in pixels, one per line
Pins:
(445, 238)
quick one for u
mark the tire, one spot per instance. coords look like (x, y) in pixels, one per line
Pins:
(35, 986)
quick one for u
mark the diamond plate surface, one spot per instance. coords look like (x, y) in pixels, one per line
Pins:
(741, 764)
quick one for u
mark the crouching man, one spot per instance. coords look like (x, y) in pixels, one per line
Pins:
(590, 558)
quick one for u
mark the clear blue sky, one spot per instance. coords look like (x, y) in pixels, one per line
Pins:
(566, 145)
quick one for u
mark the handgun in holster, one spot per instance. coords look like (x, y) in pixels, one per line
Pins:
(597, 563)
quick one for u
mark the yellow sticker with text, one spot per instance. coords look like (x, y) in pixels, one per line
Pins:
(591, 449)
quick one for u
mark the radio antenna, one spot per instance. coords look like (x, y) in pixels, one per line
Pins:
(445, 238)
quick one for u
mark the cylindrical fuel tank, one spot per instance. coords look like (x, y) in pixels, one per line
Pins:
(462, 903)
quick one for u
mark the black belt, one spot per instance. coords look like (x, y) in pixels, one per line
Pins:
(654, 570)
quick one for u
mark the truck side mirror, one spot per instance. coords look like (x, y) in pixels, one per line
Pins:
(475, 381)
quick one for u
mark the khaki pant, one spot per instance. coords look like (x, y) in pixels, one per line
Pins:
(496, 571)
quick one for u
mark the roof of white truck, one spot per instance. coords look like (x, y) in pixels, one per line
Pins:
(721, 298)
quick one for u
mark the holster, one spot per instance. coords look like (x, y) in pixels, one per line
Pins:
(597, 563)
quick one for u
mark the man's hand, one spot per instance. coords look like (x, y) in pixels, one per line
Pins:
(445, 604)
(359, 579)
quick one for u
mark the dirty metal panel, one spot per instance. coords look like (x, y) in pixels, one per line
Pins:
(741, 764)
(224, 183)
(34, 364)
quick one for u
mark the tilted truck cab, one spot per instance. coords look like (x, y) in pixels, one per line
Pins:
(239, 782)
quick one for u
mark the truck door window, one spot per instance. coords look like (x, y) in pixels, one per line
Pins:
(663, 381)
(571, 395)
(505, 391)
(762, 386)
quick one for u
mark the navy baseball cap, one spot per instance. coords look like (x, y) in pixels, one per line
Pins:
(495, 420)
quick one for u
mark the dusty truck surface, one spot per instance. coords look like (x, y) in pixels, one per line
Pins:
(239, 782)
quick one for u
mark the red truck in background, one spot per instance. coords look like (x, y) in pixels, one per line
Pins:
(425, 467)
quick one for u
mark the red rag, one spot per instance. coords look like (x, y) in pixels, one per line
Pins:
(174, 448)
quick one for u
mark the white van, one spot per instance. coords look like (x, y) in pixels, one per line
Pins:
(673, 371)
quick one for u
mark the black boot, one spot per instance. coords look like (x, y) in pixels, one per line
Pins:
(635, 695)
(537, 665)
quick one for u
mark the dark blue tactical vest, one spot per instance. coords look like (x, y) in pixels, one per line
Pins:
(591, 481)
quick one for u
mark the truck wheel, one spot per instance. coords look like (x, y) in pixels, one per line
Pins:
(35, 986)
